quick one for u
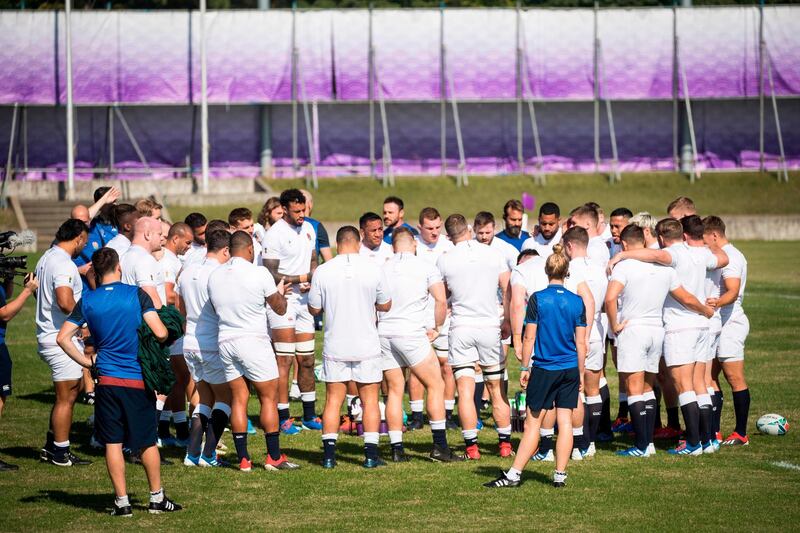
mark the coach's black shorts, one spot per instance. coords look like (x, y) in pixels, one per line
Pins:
(549, 387)
(124, 415)
(5, 371)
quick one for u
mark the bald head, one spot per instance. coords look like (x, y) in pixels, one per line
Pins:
(147, 234)
(403, 240)
(81, 212)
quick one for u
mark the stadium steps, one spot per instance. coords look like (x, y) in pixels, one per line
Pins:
(45, 216)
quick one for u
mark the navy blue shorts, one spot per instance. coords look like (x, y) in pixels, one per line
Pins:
(549, 388)
(5, 371)
(125, 415)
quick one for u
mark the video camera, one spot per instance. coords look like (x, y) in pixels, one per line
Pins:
(14, 266)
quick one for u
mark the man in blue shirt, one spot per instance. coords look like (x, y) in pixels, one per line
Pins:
(323, 244)
(513, 233)
(125, 413)
(393, 213)
(556, 324)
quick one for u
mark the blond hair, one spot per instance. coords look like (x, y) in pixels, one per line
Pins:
(557, 265)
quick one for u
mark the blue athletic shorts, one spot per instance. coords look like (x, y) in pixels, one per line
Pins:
(125, 415)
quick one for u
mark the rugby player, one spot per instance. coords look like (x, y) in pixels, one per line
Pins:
(241, 218)
(680, 207)
(373, 247)
(394, 217)
(735, 327)
(125, 217)
(513, 233)
(547, 232)
(197, 251)
(349, 289)
(323, 244)
(290, 254)
(687, 332)
(473, 274)
(406, 342)
(201, 352)
(139, 267)
(240, 293)
(588, 218)
(60, 287)
(556, 324)
(147, 207)
(620, 217)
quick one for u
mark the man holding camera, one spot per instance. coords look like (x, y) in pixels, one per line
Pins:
(9, 310)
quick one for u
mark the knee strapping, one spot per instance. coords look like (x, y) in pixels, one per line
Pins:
(305, 348)
(493, 373)
(285, 349)
(224, 407)
(464, 372)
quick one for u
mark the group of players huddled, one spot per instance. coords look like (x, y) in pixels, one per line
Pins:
(430, 310)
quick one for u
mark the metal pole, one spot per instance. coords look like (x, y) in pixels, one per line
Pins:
(266, 123)
(539, 176)
(371, 96)
(25, 139)
(596, 95)
(295, 54)
(761, 45)
(9, 161)
(132, 138)
(520, 153)
(70, 126)
(462, 162)
(785, 175)
(615, 175)
(690, 124)
(110, 138)
(688, 151)
(675, 108)
(311, 181)
(204, 145)
(442, 94)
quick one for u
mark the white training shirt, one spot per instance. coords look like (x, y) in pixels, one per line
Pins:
(140, 268)
(508, 251)
(55, 269)
(195, 254)
(258, 252)
(409, 278)
(736, 268)
(379, 255)
(347, 288)
(646, 286)
(202, 322)
(544, 247)
(120, 243)
(472, 272)
(583, 269)
(238, 290)
(431, 252)
(530, 275)
(170, 266)
(691, 264)
(598, 252)
(713, 289)
(291, 245)
(259, 232)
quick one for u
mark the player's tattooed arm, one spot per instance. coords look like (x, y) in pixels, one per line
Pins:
(277, 300)
(273, 265)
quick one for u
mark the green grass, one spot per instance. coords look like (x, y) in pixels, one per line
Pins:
(343, 200)
(738, 488)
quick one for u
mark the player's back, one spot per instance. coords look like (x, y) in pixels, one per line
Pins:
(471, 271)
(690, 263)
(646, 286)
(201, 318)
(238, 291)
(408, 278)
(531, 275)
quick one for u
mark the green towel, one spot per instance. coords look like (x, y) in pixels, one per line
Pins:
(154, 355)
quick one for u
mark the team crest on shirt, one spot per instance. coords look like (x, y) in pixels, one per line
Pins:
(95, 245)
(308, 235)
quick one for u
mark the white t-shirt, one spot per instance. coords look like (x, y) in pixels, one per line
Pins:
(55, 269)
(202, 322)
(646, 286)
(691, 264)
(409, 278)
(736, 268)
(291, 245)
(432, 252)
(259, 232)
(530, 275)
(140, 268)
(171, 266)
(238, 290)
(120, 243)
(583, 269)
(598, 252)
(713, 288)
(195, 254)
(258, 252)
(347, 289)
(508, 251)
(472, 272)
(379, 255)
(544, 247)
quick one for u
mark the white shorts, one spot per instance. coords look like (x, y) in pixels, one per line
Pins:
(62, 366)
(713, 344)
(475, 345)
(596, 356)
(731, 339)
(297, 316)
(441, 345)
(251, 357)
(686, 346)
(176, 348)
(367, 371)
(507, 340)
(205, 366)
(406, 351)
(639, 349)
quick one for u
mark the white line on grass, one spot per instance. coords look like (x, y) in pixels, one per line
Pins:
(785, 464)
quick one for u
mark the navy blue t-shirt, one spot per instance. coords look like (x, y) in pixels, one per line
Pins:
(113, 314)
(99, 235)
(556, 312)
(3, 323)
(387, 232)
(323, 241)
(515, 242)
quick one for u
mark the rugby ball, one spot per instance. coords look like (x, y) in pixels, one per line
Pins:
(773, 424)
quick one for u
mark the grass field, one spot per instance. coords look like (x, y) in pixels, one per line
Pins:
(742, 488)
(345, 199)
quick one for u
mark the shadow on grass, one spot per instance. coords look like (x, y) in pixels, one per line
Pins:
(21, 452)
(99, 503)
(46, 396)
(345, 452)
(490, 473)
